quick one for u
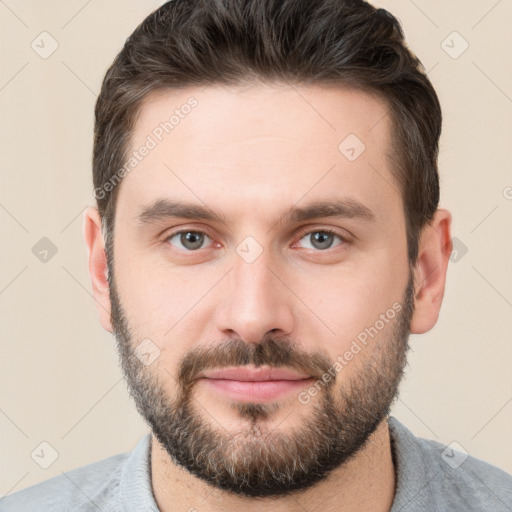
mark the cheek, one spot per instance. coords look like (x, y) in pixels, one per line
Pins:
(345, 306)
(146, 297)
(162, 302)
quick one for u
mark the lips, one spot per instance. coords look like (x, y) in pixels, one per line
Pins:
(251, 384)
(253, 374)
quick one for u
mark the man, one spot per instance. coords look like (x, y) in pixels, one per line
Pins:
(267, 237)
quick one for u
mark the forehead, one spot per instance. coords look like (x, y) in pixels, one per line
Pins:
(289, 141)
(230, 115)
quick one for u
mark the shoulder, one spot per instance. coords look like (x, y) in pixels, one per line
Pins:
(466, 481)
(86, 488)
(446, 476)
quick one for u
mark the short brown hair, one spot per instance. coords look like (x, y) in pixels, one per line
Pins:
(235, 42)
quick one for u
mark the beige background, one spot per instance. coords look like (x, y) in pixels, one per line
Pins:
(60, 381)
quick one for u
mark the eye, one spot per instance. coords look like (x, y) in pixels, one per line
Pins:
(190, 240)
(321, 239)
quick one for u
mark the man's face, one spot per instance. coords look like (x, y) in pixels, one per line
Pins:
(327, 296)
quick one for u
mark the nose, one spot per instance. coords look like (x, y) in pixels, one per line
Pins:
(255, 301)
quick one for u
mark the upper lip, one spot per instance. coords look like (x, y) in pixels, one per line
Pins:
(252, 374)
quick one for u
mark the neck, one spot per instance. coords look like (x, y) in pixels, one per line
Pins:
(365, 482)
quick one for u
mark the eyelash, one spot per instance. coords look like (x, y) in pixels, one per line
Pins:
(301, 235)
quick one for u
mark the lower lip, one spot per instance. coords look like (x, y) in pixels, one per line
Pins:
(260, 391)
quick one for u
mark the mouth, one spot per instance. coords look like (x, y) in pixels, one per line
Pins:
(253, 374)
(255, 384)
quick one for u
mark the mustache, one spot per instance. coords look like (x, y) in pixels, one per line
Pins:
(235, 352)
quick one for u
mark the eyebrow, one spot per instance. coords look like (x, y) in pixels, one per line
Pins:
(162, 209)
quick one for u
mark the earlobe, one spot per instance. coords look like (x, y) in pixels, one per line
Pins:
(434, 249)
(97, 265)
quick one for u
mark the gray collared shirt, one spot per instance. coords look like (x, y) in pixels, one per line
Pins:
(431, 477)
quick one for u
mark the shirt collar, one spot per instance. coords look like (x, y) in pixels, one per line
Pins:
(135, 487)
(413, 469)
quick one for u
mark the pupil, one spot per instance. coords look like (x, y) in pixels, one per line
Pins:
(323, 239)
(191, 240)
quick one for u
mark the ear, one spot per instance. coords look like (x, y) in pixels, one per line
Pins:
(97, 264)
(434, 250)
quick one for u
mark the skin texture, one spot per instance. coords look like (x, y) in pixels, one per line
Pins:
(248, 155)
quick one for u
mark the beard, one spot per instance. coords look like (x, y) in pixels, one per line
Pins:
(258, 461)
